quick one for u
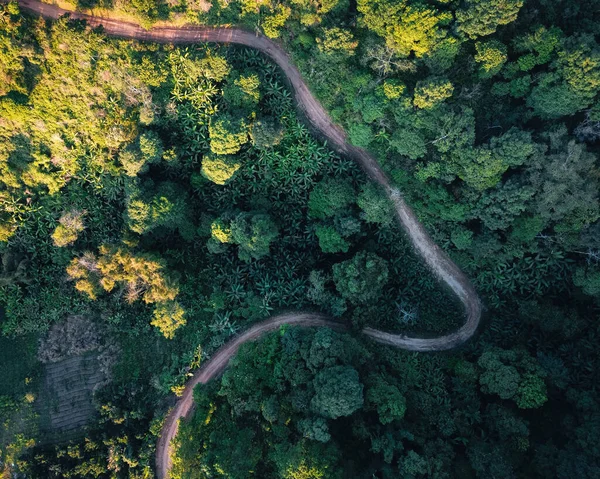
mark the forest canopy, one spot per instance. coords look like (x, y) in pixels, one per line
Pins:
(155, 200)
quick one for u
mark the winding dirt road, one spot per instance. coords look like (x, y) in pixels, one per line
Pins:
(436, 259)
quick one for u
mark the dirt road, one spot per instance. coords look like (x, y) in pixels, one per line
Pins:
(436, 259)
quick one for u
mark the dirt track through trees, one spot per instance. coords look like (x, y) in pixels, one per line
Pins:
(436, 259)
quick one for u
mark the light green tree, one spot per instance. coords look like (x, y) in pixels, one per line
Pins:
(227, 134)
(432, 92)
(479, 18)
(491, 56)
(219, 168)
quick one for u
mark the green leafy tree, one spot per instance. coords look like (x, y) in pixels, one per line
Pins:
(538, 46)
(479, 18)
(588, 279)
(330, 198)
(227, 135)
(330, 241)
(12, 55)
(243, 91)
(273, 22)
(491, 56)
(362, 278)
(408, 142)
(337, 41)
(266, 133)
(513, 374)
(162, 207)
(574, 81)
(220, 168)
(375, 206)
(387, 400)
(407, 28)
(432, 92)
(338, 392)
(253, 233)
(315, 428)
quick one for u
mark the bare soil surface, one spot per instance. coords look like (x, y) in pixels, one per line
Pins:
(437, 260)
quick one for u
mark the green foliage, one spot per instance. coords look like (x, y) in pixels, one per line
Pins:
(227, 135)
(336, 41)
(266, 133)
(482, 17)
(574, 81)
(406, 28)
(252, 232)
(375, 206)
(362, 278)
(492, 56)
(338, 392)
(243, 91)
(330, 198)
(409, 142)
(432, 92)
(588, 279)
(513, 374)
(94, 128)
(387, 400)
(220, 168)
(272, 23)
(330, 240)
(162, 207)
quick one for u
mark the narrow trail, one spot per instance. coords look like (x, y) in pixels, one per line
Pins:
(437, 260)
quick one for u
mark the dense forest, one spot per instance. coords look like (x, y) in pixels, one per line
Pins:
(155, 200)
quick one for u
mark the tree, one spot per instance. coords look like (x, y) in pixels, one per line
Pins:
(574, 81)
(491, 56)
(330, 240)
(408, 142)
(513, 374)
(242, 91)
(70, 225)
(168, 317)
(479, 18)
(227, 135)
(165, 206)
(338, 392)
(139, 275)
(375, 206)
(253, 233)
(538, 46)
(565, 189)
(12, 65)
(219, 168)
(314, 428)
(330, 198)
(588, 279)
(266, 132)
(482, 167)
(387, 400)
(273, 22)
(406, 28)
(137, 157)
(362, 278)
(432, 92)
(337, 41)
